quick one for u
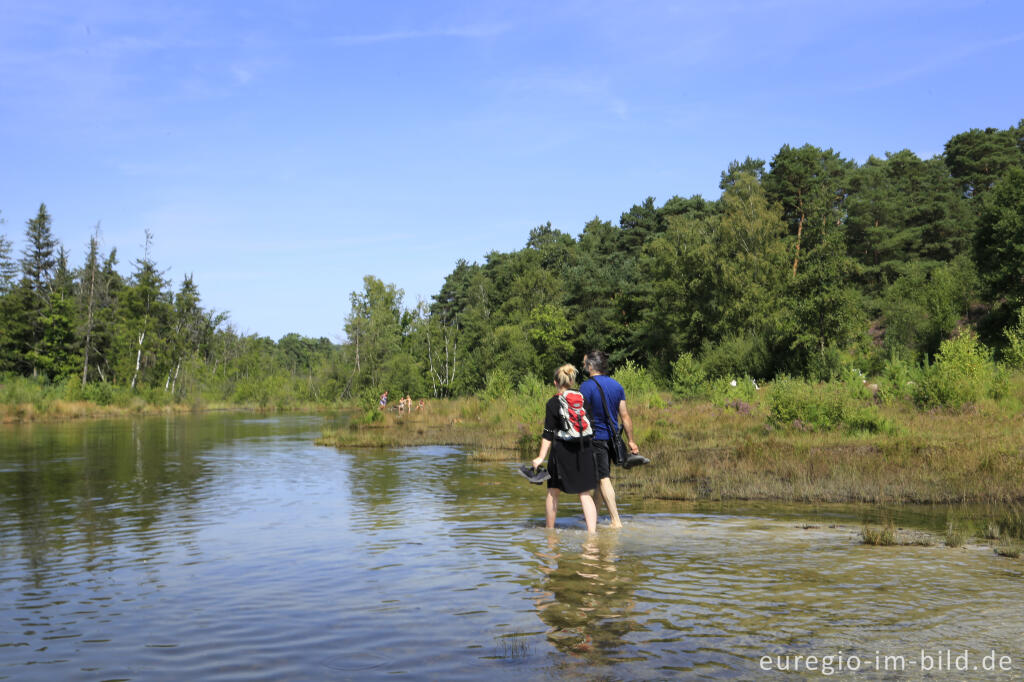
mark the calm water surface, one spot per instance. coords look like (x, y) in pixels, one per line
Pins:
(226, 547)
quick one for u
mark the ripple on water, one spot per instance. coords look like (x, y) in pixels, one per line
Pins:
(285, 561)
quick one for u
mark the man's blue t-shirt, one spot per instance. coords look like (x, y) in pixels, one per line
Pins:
(614, 393)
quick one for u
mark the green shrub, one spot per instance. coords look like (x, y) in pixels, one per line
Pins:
(867, 419)
(499, 385)
(736, 356)
(963, 372)
(15, 390)
(822, 407)
(826, 364)
(157, 396)
(818, 406)
(689, 380)
(898, 380)
(639, 385)
(855, 383)
(726, 391)
(100, 393)
(533, 390)
(1013, 353)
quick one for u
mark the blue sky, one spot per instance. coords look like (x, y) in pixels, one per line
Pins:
(280, 151)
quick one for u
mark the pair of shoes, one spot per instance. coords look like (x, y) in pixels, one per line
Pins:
(635, 461)
(538, 475)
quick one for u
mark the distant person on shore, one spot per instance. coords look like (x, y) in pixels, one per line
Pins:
(567, 438)
(384, 400)
(609, 412)
(421, 404)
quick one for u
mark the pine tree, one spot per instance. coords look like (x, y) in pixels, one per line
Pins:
(37, 266)
(144, 311)
(88, 289)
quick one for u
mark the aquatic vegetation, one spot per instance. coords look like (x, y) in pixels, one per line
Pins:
(884, 536)
(955, 535)
(1012, 550)
(513, 645)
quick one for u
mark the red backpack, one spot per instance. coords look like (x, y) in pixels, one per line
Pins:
(575, 422)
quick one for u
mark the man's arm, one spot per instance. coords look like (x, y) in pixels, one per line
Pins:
(627, 425)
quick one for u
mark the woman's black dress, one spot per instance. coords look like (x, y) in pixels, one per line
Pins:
(571, 464)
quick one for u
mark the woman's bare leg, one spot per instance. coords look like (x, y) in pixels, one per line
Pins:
(551, 507)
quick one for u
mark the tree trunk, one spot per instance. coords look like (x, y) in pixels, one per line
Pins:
(800, 231)
(138, 359)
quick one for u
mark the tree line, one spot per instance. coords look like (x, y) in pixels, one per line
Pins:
(807, 264)
(106, 337)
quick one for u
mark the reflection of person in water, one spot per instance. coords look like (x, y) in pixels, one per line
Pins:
(588, 600)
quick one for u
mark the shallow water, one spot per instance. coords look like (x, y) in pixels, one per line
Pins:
(223, 547)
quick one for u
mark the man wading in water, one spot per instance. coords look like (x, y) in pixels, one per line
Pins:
(606, 427)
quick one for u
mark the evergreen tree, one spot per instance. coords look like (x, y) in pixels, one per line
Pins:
(901, 211)
(38, 259)
(809, 183)
(978, 158)
(717, 277)
(37, 265)
(749, 166)
(143, 321)
(999, 245)
(8, 266)
(88, 285)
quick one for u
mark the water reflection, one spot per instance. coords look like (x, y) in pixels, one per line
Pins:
(222, 547)
(84, 487)
(588, 602)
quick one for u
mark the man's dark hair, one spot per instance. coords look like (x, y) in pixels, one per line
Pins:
(597, 360)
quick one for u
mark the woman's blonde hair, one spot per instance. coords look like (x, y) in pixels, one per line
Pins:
(565, 376)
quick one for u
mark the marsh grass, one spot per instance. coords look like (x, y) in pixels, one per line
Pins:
(955, 535)
(706, 451)
(1010, 549)
(992, 531)
(493, 429)
(889, 536)
(883, 537)
(513, 645)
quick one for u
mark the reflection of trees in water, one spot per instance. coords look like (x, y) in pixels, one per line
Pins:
(588, 600)
(375, 484)
(91, 485)
(387, 486)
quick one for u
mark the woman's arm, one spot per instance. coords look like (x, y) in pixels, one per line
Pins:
(545, 446)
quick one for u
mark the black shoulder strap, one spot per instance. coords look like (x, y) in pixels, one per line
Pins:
(607, 412)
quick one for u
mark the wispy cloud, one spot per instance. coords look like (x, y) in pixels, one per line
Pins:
(934, 64)
(581, 87)
(468, 32)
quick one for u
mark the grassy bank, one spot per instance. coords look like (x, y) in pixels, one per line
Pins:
(26, 400)
(736, 449)
(495, 430)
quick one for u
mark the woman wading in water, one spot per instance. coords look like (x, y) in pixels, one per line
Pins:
(567, 437)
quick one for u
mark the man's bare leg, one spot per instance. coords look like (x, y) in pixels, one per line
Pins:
(606, 492)
(589, 511)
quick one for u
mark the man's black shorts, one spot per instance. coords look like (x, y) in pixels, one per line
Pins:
(602, 450)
